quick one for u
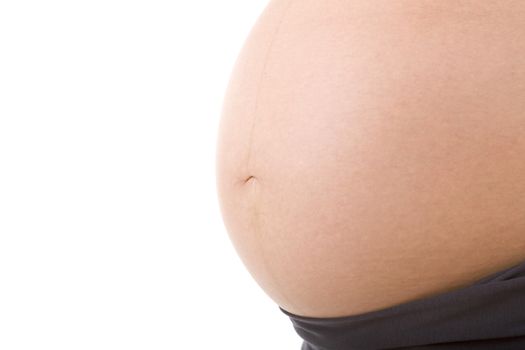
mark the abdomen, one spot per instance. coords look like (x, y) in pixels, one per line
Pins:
(383, 147)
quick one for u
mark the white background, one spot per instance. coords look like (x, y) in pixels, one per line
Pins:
(110, 230)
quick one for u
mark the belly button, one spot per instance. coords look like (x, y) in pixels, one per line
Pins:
(250, 179)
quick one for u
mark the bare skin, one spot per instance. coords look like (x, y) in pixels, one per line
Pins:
(372, 153)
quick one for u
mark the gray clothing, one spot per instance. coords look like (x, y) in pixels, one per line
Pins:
(488, 314)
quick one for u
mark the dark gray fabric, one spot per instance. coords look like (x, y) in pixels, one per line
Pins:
(488, 314)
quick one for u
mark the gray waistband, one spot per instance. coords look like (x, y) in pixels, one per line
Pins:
(488, 314)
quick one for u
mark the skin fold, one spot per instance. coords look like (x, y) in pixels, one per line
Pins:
(373, 152)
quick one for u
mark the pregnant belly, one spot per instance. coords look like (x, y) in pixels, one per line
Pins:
(372, 153)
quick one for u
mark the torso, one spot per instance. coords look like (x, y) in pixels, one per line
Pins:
(385, 140)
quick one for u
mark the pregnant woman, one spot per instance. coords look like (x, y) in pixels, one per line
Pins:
(371, 170)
